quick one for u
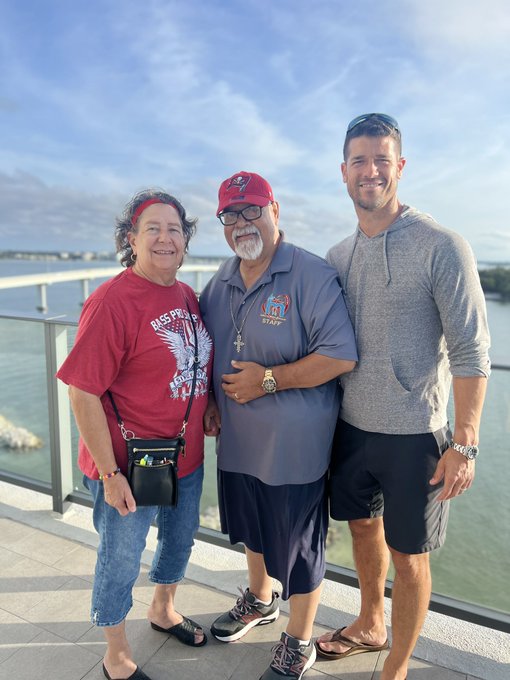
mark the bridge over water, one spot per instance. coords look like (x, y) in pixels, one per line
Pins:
(43, 280)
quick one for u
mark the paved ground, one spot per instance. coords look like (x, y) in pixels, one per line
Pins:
(45, 633)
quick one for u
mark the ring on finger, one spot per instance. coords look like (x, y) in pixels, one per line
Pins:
(236, 396)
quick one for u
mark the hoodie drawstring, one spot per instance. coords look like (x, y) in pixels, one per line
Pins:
(385, 254)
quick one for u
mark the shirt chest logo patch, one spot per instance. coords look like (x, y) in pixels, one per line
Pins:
(274, 309)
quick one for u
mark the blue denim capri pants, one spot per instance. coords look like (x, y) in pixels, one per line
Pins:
(122, 541)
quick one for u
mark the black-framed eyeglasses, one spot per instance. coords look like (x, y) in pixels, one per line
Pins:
(383, 117)
(250, 213)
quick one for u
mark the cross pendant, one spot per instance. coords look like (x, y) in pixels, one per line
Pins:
(238, 342)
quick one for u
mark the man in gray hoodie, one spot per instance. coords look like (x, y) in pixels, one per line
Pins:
(415, 301)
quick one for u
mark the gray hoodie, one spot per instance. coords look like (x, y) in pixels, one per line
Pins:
(418, 311)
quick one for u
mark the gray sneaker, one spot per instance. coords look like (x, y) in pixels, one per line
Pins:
(290, 660)
(245, 615)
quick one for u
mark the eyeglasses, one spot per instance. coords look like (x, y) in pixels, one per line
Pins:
(250, 213)
(383, 117)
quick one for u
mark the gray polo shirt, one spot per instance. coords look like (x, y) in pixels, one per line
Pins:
(295, 309)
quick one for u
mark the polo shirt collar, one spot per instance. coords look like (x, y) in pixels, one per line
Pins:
(281, 262)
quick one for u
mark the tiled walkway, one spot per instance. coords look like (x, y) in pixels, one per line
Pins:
(45, 633)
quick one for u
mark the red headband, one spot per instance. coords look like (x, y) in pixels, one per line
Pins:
(146, 204)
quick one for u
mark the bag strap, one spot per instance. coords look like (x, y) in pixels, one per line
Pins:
(195, 369)
(129, 434)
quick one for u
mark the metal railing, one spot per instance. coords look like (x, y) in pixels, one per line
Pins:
(44, 279)
(61, 488)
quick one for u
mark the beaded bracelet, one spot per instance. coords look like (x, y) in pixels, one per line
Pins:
(110, 474)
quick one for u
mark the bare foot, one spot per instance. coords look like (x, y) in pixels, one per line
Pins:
(391, 671)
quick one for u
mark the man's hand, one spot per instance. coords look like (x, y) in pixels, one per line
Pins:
(212, 419)
(117, 493)
(457, 473)
(246, 384)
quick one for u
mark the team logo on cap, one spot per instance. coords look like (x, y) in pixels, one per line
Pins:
(274, 309)
(239, 182)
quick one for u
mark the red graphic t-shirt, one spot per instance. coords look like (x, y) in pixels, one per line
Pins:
(135, 338)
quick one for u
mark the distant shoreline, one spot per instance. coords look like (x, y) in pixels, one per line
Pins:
(85, 256)
(110, 255)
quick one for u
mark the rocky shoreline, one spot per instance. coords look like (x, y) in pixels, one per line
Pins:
(18, 438)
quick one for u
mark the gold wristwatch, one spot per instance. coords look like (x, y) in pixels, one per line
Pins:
(269, 383)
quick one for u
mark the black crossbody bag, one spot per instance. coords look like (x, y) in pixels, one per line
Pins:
(153, 463)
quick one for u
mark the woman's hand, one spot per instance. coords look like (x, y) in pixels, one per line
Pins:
(117, 493)
(212, 419)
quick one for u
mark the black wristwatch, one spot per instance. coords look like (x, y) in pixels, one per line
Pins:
(470, 451)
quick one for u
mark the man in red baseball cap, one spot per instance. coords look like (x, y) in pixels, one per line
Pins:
(282, 335)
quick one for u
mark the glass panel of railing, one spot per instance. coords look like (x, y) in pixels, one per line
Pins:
(474, 563)
(209, 516)
(77, 473)
(24, 430)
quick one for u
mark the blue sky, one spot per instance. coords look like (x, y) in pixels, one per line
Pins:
(100, 98)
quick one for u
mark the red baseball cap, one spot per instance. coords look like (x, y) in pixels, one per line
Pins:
(244, 187)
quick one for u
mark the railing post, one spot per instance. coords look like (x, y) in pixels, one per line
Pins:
(43, 302)
(55, 337)
(84, 290)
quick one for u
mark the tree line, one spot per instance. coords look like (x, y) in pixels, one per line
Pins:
(496, 280)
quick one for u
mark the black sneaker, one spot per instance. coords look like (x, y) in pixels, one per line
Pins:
(244, 616)
(290, 660)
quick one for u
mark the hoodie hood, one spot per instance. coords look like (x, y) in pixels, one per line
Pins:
(407, 217)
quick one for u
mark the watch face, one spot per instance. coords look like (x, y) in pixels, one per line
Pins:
(269, 385)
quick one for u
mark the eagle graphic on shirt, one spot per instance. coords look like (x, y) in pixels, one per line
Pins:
(181, 342)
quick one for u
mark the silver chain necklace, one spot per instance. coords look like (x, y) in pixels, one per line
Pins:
(238, 344)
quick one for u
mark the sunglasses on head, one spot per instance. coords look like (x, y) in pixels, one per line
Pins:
(383, 117)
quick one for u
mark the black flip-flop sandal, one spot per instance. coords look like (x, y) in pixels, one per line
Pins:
(185, 632)
(137, 675)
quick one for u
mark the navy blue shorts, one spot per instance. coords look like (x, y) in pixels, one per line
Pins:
(287, 524)
(374, 475)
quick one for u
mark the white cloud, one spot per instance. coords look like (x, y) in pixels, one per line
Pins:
(36, 215)
(480, 28)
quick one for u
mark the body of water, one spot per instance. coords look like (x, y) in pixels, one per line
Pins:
(473, 565)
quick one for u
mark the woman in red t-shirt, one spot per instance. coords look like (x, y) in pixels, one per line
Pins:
(135, 339)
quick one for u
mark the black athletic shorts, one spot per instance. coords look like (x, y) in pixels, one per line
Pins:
(374, 475)
(287, 524)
